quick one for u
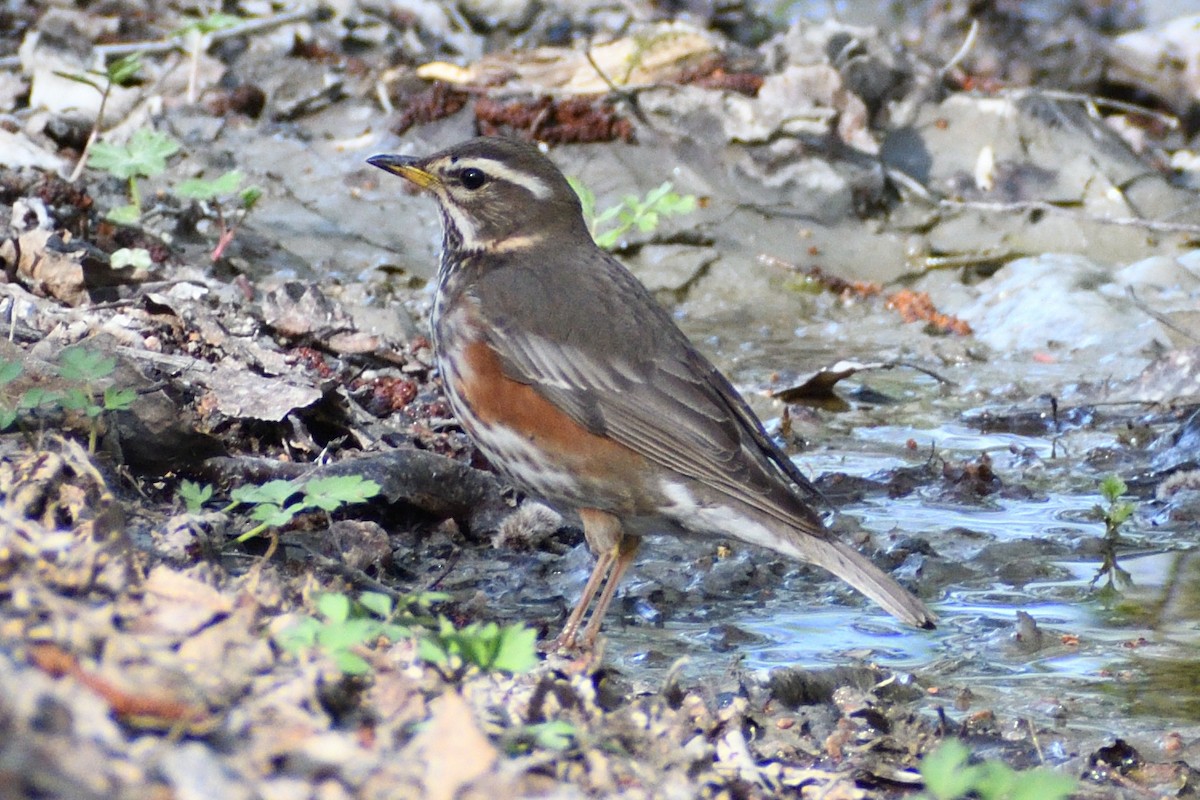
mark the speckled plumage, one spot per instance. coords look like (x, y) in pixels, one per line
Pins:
(580, 388)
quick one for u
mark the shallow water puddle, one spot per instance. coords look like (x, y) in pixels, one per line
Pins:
(1088, 665)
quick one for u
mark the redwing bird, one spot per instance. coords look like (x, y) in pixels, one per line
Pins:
(580, 389)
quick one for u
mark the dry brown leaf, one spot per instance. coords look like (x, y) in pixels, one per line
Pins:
(659, 53)
(44, 269)
(453, 748)
(179, 604)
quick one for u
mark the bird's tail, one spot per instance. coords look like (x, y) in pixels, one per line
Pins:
(857, 570)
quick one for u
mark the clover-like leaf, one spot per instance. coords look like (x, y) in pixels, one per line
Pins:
(144, 155)
(198, 189)
(330, 493)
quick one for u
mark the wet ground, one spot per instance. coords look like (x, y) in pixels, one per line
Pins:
(1057, 252)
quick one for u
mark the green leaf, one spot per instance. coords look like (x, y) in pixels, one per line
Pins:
(334, 607)
(198, 189)
(79, 78)
(213, 22)
(125, 215)
(1112, 487)
(351, 663)
(346, 633)
(377, 603)
(516, 650)
(7, 417)
(432, 651)
(195, 495)
(118, 399)
(609, 239)
(275, 492)
(38, 396)
(394, 633)
(1120, 513)
(331, 493)
(1042, 784)
(124, 69)
(945, 770)
(994, 780)
(85, 365)
(274, 516)
(587, 199)
(300, 636)
(250, 196)
(138, 257)
(10, 371)
(144, 155)
(76, 399)
(644, 213)
(553, 735)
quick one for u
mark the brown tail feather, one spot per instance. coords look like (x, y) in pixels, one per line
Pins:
(857, 570)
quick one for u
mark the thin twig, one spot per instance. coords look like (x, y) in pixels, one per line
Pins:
(624, 94)
(1170, 120)
(92, 134)
(1145, 309)
(966, 47)
(357, 577)
(245, 28)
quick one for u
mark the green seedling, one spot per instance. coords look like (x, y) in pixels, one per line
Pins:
(1115, 513)
(223, 192)
(121, 72)
(346, 628)
(77, 365)
(555, 734)
(194, 495)
(87, 367)
(486, 646)
(949, 776)
(9, 372)
(610, 225)
(197, 37)
(136, 257)
(276, 503)
(144, 156)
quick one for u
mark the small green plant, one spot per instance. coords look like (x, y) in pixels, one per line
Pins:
(87, 367)
(136, 257)
(555, 734)
(277, 502)
(143, 156)
(81, 366)
(1115, 513)
(197, 36)
(949, 776)
(121, 72)
(219, 192)
(194, 495)
(645, 214)
(9, 372)
(512, 648)
(346, 627)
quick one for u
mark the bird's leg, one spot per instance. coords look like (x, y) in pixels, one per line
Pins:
(566, 639)
(603, 533)
(623, 555)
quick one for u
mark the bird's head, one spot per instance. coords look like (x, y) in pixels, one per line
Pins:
(495, 194)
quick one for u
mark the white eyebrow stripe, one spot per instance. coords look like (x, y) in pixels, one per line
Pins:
(536, 186)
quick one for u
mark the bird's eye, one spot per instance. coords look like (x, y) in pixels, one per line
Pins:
(472, 178)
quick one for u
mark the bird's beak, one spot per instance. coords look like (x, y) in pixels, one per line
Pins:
(406, 167)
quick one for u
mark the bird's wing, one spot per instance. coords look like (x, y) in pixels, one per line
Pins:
(624, 370)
